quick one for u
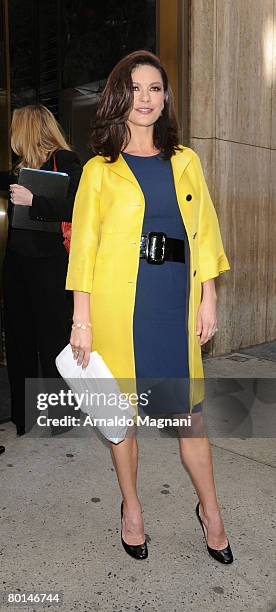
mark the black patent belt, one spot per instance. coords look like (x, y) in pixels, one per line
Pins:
(157, 247)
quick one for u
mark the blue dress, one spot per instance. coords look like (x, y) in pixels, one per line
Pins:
(160, 322)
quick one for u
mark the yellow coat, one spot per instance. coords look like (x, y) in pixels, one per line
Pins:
(104, 254)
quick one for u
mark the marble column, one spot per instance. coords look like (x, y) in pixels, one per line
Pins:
(233, 129)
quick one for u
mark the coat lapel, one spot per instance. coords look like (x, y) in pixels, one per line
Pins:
(179, 162)
(121, 167)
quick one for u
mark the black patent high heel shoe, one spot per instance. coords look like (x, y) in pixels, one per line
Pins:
(138, 551)
(223, 556)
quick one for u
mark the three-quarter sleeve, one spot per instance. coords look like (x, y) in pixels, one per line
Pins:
(212, 257)
(85, 229)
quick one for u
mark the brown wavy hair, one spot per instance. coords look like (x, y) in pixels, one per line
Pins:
(35, 135)
(111, 134)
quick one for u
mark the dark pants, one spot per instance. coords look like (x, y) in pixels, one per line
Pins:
(37, 319)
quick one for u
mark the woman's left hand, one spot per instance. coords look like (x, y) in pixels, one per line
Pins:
(207, 319)
(20, 195)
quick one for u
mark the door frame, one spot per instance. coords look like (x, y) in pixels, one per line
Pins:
(172, 46)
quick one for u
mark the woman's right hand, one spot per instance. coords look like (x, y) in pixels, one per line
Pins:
(81, 343)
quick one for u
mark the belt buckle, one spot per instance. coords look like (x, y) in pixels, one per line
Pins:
(155, 247)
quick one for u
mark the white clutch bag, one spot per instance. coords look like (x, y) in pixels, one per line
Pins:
(97, 393)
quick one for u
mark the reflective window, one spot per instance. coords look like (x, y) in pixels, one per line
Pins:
(98, 33)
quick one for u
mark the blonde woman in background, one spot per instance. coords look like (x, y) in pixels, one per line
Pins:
(37, 310)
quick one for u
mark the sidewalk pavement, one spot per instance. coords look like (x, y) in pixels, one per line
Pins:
(60, 518)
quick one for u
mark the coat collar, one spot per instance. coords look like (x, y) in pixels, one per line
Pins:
(179, 161)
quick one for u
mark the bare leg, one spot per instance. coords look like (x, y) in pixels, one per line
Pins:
(196, 455)
(125, 459)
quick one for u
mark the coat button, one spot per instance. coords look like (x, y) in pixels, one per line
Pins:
(194, 272)
(194, 235)
(188, 197)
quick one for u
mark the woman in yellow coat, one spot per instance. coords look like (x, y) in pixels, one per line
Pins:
(135, 132)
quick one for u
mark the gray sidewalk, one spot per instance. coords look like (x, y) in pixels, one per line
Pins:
(60, 519)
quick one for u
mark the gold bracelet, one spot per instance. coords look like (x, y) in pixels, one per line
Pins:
(79, 325)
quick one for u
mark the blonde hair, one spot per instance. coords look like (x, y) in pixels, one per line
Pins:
(35, 135)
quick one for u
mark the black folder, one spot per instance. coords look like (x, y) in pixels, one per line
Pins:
(39, 182)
